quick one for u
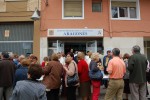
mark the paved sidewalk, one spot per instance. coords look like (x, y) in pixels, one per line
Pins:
(102, 94)
(101, 97)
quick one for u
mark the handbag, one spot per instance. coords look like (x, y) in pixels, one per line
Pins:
(73, 80)
(95, 75)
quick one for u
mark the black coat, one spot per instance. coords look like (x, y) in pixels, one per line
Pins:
(137, 66)
(7, 71)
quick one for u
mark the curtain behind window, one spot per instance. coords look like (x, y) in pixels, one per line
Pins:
(123, 4)
(72, 8)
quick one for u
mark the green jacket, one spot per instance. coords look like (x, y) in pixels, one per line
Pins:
(137, 66)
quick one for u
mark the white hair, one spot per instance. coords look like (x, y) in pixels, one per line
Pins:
(21, 57)
(94, 56)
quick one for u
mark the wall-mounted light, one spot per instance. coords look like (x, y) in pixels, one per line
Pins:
(36, 15)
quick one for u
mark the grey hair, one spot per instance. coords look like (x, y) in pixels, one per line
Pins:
(136, 48)
(21, 57)
(116, 52)
(94, 56)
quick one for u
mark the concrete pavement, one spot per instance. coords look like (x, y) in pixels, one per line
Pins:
(102, 94)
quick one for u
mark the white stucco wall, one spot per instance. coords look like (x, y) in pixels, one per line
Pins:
(125, 44)
(43, 48)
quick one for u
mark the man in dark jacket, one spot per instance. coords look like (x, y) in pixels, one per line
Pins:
(137, 66)
(7, 70)
(106, 60)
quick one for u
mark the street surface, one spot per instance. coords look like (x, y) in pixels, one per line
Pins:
(102, 94)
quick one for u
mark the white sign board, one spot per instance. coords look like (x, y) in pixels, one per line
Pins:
(75, 32)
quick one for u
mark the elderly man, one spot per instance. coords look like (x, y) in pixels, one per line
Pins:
(105, 61)
(7, 71)
(116, 69)
(137, 66)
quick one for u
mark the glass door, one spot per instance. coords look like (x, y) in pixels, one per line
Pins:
(91, 46)
(60, 46)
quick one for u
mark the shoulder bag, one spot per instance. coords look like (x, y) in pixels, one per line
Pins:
(95, 75)
(73, 80)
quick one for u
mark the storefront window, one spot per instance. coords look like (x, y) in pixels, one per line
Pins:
(52, 44)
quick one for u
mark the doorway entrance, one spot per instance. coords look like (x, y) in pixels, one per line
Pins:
(65, 45)
(75, 47)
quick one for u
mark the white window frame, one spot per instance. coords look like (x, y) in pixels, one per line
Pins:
(63, 17)
(127, 18)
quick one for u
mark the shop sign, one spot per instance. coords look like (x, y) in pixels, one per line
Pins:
(75, 32)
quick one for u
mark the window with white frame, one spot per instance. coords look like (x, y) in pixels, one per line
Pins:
(124, 9)
(73, 9)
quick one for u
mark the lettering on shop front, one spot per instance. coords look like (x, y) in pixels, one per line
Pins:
(75, 33)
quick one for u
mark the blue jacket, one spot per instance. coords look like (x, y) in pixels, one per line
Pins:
(21, 74)
(93, 66)
(105, 66)
(104, 60)
(29, 90)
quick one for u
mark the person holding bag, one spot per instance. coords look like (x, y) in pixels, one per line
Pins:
(52, 77)
(95, 66)
(71, 70)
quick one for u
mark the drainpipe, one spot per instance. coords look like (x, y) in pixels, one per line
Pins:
(109, 20)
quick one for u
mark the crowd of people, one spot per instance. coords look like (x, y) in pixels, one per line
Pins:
(24, 78)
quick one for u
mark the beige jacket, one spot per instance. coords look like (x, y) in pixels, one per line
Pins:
(72, 71)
